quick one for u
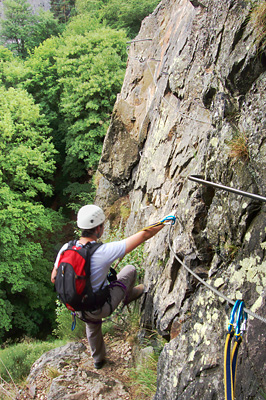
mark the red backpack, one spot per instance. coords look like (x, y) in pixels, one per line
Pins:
(73, 284)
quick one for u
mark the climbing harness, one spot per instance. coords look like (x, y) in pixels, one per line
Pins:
(199, 179)
(236, 328)
(113, 283)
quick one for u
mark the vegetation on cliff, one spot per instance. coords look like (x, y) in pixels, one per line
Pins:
(59, 76)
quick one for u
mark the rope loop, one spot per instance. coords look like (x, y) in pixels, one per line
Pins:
(236, 327)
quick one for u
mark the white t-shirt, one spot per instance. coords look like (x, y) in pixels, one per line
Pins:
(101, 260)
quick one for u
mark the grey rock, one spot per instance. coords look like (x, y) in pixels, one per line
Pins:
(193, 89)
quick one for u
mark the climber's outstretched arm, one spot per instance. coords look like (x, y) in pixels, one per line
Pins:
(146, 233)
(135, 240)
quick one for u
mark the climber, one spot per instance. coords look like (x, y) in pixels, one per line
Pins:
(90, 220)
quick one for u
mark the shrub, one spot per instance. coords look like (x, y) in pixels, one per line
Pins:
(64, 321)
(16, 360)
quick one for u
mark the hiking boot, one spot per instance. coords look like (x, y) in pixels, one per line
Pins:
(99, 364)
(135, 294)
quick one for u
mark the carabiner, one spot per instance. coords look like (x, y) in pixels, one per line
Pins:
(239, 323)
(232, 316)
(169, 220)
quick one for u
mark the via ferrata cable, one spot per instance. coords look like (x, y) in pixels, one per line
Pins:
(214, 290)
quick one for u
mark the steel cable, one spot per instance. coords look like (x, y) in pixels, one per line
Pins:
(214, 290)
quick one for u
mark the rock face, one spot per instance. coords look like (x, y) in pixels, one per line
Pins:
(193, 102)
(68, 373)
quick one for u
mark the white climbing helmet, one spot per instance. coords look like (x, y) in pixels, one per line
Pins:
(90, 216)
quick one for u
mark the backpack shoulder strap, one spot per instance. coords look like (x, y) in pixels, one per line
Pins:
(90, 249)
(71, 243)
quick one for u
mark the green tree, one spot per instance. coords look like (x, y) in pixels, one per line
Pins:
(62, 9)
(91, 69)
(5, 54)
(127, 14)
(11, 68)
(40, 79)
(45, 26)
(21, 30)
(89, 6)
(17, 25)
(27, 164)
(82, 24)
(118, 14)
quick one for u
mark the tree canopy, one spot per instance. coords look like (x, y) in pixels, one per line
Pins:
(27, 164)
(21, 30)
(91, 71)
(58, 85)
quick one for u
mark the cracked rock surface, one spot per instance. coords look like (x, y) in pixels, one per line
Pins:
(193, 103)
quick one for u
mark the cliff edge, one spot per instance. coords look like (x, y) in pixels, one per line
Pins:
(193, 103)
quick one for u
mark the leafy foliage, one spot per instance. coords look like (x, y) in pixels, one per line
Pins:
(27, 152)
(62, 9)
(21, 30)
(128, 14)
(57, 94)
(91, 70)
(5, 54)
(41, 80)
(17, 25)
(78, 193)
(26, 160)
(18, 359)
(119, 14)
(64, 322)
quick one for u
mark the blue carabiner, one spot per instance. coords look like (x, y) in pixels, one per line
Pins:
(232, 316)
(239, 318)
(170, 219)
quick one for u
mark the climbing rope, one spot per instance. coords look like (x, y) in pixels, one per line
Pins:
(214, 290)
(236, 327)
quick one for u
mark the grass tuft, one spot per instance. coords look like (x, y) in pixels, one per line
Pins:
(239, 148)
(258, 19)
(52, 372)
(144, 378)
